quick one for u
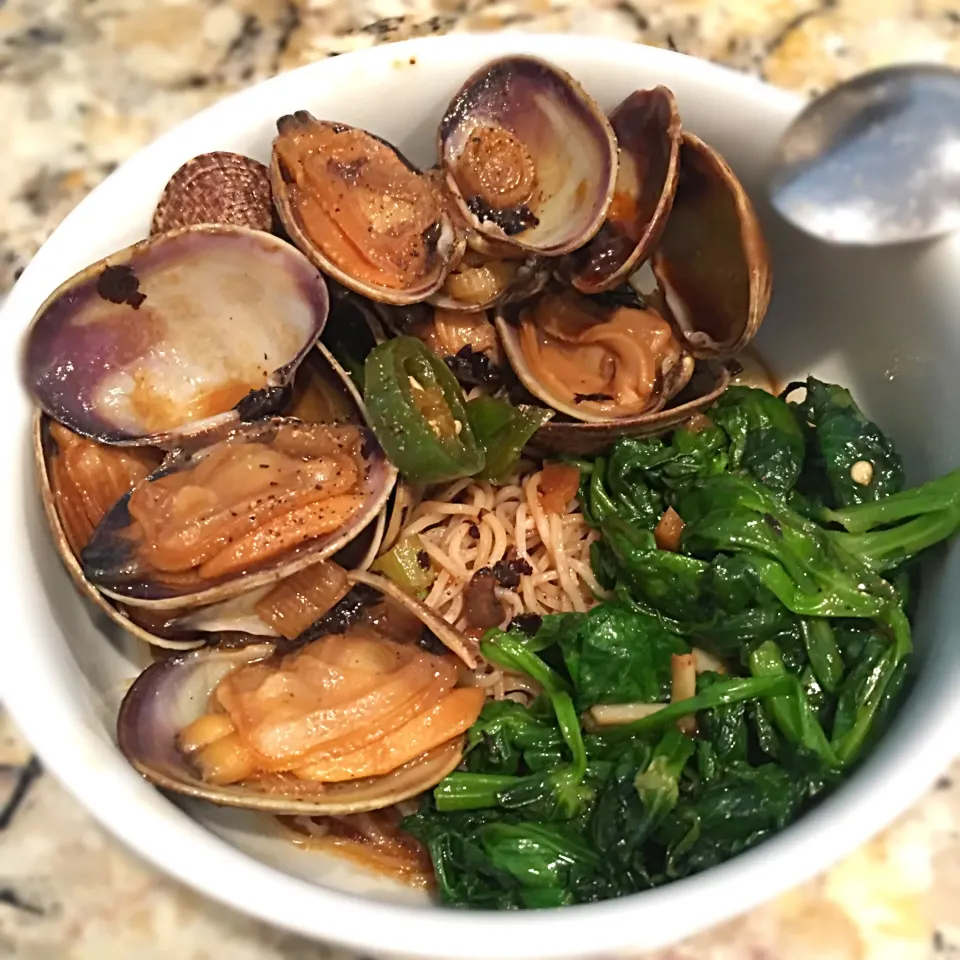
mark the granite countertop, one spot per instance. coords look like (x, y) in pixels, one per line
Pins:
(85, 83)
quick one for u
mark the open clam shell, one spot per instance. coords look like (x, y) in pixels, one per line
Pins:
(45, 450)
(175, 336)
(647, 126)
(323, 391)
(361, 211)
(712, 263)
(709, 380)
(206, 526)
(529, 157)
(171, 694)
(284, 609)
(594, 361)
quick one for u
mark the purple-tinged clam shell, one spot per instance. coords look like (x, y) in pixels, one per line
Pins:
(529, 157)
(712, 262)
(175, 335)
(171, 694)
(218, 187)
(647, 125)
(129, 564)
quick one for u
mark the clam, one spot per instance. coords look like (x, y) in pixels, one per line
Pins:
(219, 187)
(323, 392)
(79, 481)
(710, 379)
(490, 272)
(612, 366)
(175, 336)
(361, 211)
(370, 715)
(647, 126)
(263, 502)
(712, 263)
(282, 610)
(529, 157)
(591, 360)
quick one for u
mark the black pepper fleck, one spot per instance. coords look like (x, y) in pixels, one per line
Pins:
(120, 284)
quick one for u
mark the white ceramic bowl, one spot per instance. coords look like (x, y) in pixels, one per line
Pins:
(882, 322)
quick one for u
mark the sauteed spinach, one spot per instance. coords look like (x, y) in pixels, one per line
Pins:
(794, 580)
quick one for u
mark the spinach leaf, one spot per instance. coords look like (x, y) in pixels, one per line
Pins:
(556, 793)
(632, 481)
(618, 653)
(616, 487)
(843, 437)
(765, 438)
(723, 727)
(502, 735)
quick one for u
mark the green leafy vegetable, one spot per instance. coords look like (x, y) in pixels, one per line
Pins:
(616, 653)
(842, 438)
(794, 569)
(765, 438)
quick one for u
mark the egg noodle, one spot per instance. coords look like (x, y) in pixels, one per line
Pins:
(469, 525)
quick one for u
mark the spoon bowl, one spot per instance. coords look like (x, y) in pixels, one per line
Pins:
(876, 160)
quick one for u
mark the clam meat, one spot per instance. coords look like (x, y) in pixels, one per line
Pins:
(594, 362)
(361, 211)
(356, 719)
(271, 498)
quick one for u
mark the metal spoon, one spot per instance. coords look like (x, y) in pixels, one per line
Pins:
(875, 160)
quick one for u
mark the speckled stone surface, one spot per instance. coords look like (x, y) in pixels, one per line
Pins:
(85, 83)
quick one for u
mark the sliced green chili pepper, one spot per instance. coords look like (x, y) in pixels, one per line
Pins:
(503, 431)
(417, 412)
(407, 565)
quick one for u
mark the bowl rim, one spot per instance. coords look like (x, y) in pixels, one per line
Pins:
(91, 768)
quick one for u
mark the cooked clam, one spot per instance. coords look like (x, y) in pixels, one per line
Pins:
(529, 157)
(176, 335)
(710, 378)
(647, 125)
(271, 498)
(712, 263)
(323, 391)
(352, 720)
(301, 602)
(361, 211)
(593, 361)
(490, 272)
(79, 481)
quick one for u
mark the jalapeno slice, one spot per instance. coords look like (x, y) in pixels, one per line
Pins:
(503, 430)
(417, 411)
